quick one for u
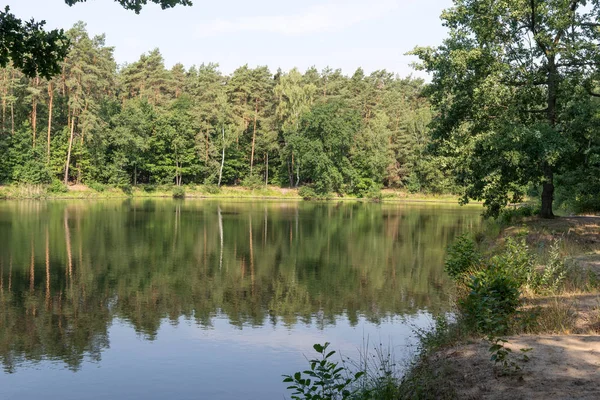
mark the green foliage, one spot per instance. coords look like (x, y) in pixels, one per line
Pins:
(336, 133)
(211, 189)
(367, 188)
(515, 261)
(307, 192)
(98, 187)
(57, 186)
(553, 274)
(32, 172)
(512, 118)
(510, 215)
(325, 380)
(462, 258)
(253, 182)
(492, 301)
(149, 188)
(178, 192)
(126, 188)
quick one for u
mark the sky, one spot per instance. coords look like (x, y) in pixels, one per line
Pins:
(346, 34)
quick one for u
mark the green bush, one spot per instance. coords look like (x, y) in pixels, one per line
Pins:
(551, 278)
(492, 301)
(462, 258)
(126, 188)
(98, 187)
(515, 260)
(325, 380)
(149, 188)
(307, 193)
(413, 183)
(32, 172)
(253, 182)
(211, 189)
(57, 187)
(179, 192)
(512, 214)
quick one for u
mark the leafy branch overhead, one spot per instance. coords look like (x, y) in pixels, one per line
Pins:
(35, 51)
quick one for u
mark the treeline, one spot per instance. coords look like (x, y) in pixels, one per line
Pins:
(141, 123)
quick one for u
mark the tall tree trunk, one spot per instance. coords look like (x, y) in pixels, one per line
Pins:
(548, 183)
(547, 193)
(254, 136)
(222, 158)
(12, 104)
(4, 95)
(266, 169)
(51, 95)
(34, 111)
(207, 147)
(69, 150)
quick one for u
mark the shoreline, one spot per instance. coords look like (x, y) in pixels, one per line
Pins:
(81, 192)
(553, 356)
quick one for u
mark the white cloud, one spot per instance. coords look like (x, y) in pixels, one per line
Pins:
(333, 16)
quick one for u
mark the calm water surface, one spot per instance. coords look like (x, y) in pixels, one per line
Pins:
(155, 299)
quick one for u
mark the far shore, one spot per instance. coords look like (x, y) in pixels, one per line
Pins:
(271, 192)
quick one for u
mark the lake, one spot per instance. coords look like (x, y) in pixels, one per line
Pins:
(204, 299)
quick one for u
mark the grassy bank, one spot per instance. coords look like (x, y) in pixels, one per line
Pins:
(96, 191)
(527, 315)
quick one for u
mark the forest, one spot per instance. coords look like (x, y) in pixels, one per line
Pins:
(97, 122)
(510, 112)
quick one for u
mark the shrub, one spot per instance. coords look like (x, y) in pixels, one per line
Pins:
(367, 188)
(57, 187)
(211, 189)
(510, 215)
(324, 380)
(462, 257)
(309, 193)
(253, 182)
(32, 172)
(98, 187)
(492, 301)
(179, 192)
(515, 260)
(149, 188)
(550, 279)
(126, 188)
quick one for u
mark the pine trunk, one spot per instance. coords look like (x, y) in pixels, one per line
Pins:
(69, 151)
(266, 169)
(253, 136)
(34, 112)
(222, 159)
(51, 95)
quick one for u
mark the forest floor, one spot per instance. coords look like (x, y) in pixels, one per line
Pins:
(564, 360)
(80, 191)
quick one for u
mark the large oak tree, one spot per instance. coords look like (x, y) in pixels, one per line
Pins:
(501, 83)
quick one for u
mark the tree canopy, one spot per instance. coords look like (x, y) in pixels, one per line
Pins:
(504, 84)
(38, 52)
(146, 124)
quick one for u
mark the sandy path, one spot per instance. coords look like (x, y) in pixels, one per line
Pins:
(559, 367)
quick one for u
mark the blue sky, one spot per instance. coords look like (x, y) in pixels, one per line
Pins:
(372, 34)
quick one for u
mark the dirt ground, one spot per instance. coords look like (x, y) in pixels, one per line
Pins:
(559, 367)
(565, 366)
